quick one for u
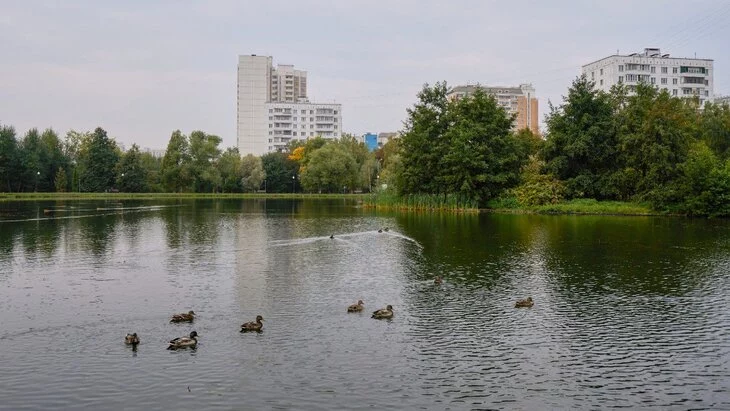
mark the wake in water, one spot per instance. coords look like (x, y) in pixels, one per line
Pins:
(116, 211)
(308, 240)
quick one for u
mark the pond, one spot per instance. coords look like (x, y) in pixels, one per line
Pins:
(629, 311)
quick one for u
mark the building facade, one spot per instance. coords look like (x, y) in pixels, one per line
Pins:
(520, 101)
(273, 108)
(370, 140)
(681, 77)
(384, 138)
(300, 121)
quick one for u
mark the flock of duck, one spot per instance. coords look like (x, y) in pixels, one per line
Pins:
(191, 341)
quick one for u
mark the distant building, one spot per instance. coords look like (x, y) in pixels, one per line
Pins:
(722, 100)
(384, 138)
(681, 77)
(370, 140)
(273, 109)
(516, 100)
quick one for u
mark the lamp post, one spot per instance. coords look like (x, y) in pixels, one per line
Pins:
(293, 180)
(121, 182)
(37, 175)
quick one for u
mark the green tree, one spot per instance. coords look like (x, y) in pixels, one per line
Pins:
(52, 159)
(655, 136)
(176, 168)
(252, 173)
(204, 153)
(99, 162)
(703, 187)
(152, 166)
(331, 169)
(422, 142)
(715, 128)
(131, 174)
(483, 156)
(29, 173)
(279, 170)
(9, 158)
(581, 144)
(229, 167)
(61, 181)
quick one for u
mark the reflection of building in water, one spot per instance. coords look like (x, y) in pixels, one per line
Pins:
(251, 253)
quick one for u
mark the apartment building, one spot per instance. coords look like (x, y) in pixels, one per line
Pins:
(301, 121)
(518, 100)
(681, 77)
(271, 106)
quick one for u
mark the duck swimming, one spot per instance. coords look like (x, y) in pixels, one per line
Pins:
(526, 303)
(253, 326)
(332, 236)
(356, 308)
(383, 313)
(184, 342)
(380, 230)
(183, 318)
(131, 339)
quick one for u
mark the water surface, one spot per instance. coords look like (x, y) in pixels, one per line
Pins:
(630, 311)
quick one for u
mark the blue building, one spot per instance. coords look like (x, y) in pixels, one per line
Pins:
(370, 140)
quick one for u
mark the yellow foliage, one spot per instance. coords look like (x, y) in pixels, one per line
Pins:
(297, 154)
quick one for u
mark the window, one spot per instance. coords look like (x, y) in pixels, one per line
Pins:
(707, 94)
(601, 81)
(620, 79)
(271, 125)
(653, 80)
(303, 126)
(294, 134)
(311, 126)
(271, 111)
(601, 71)
(311, 111)
(674, 81)
(311, 133)
(294, 119)
(620, 67)
(311, 118)
(674, 70)
(653, 69)
(664, 70)
(664, 80)
(593, 75)
(336, 126)
(674, 92)
(335, 111)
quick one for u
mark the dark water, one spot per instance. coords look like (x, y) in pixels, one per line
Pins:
(629, 312)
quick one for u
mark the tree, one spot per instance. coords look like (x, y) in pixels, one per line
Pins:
(581, 143)
(204, 152)
(331, 169)
(29, 172)
(715, 128)
(152, 167)
(422, 142)
(131, 175)
(279, 171)
(9, 158)
(99, 163)
(655, 136)
(483, 157)
(252, 172)
(51, 159)
(229, 167)
(176, 164)
(60, 181)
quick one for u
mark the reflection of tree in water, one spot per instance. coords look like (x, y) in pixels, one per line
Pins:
(634, 255)
(96, 233)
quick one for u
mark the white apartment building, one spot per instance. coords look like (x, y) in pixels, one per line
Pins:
(288, 121)
(271, 103)
(681, 77)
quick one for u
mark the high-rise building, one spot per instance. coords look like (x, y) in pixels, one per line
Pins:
(681, 77)
(516, 100)
(273, 109)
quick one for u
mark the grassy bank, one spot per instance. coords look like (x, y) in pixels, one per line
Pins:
(162, 196)
(579, 206)
(420, 202)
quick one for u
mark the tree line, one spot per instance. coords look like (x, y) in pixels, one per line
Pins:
(643, 146)
(94, 162)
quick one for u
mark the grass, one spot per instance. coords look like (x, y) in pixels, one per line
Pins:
(577, 206)
(159, 196)
(421, 202)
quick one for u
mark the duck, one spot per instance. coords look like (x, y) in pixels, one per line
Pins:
(380, 230)
(382, 313)
(253, 325)
(131, 339)
(386, 229)
(184, 317)
(524, 303)
(184, 342)
(356, 308)
(438, 280)
(332, 236)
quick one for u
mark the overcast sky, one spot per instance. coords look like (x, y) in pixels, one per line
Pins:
(141, 69)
